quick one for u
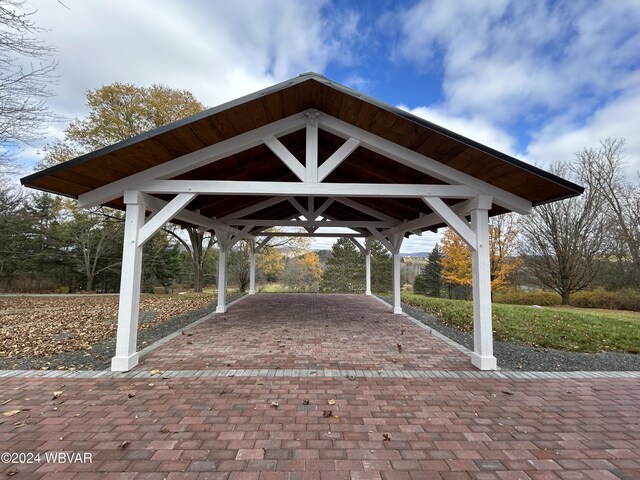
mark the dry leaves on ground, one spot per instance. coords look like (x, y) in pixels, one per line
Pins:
(41, 326)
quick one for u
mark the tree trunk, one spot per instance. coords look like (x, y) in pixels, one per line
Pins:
(196, 255)
(565, 298)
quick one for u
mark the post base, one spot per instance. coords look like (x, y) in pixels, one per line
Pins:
(368, 292)
(252, 292)
(483, 363)
(397, 310)
(221, 309)
(124, 364)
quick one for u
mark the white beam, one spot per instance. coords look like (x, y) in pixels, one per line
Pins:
(155, 204)
(252, 209)
(425, 221)
(397, 284)
(315, 223)
(358, 245)
(422, 163)
(460, 226)
(299, 207)
(311, 157)
(482, 356)
(382, 239)
(367, 266)
(337, 158)
(288, 189)
(368, 210)
(286, 157)
(126, 356)
(252, 268)
(327, 203)
(161, 217)
(193, 160)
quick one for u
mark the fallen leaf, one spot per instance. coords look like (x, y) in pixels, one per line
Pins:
(11, 413)
(399, 345)
(386, 437)
(6, 401)
(507, 392)
(131, 395)
(305, 401)
(275, 404)
(155, 372)
(331, 402)
(402, 331)
(125, 444)
(11, 473)
(19, 424)
(56, 394)
(327, 413)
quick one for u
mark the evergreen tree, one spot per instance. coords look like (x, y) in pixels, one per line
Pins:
(381, 268)
(429, 281)
(345, 269)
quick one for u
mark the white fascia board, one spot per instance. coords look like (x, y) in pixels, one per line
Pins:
(422, 163)
(287, 189)
(193, 160)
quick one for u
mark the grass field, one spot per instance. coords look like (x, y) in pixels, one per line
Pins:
(563, 328)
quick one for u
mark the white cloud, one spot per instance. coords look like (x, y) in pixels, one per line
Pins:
(218, 50)
(561, 139)
(503, 59)
(475, 128)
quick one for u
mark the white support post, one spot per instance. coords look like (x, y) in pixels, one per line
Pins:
(126, 356)
(367, 260)
(223, 240)
(252, 268)
(482, 356)
(396, 242)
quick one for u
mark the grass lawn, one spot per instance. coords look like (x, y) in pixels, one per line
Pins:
(562, 328)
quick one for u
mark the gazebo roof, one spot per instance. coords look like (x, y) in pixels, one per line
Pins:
(307, 93)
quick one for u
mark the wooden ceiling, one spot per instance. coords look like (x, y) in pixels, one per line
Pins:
(309, 91)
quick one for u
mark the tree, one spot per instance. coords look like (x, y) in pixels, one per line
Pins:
(565, 240)
(303, 273)
(269, 264)
(429, 281)
(345, 269)
(603, 169)
(456, 260)
(26, 72)
(381, 268)
(120, 111)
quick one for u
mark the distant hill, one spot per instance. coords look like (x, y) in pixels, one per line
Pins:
(414, 254)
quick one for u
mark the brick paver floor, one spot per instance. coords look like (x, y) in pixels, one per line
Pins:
(268, 427)
(307, 331)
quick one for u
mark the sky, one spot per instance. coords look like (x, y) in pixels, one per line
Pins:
(539, 80)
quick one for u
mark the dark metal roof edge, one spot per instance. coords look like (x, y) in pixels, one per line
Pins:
(453, 135)
(281, 86)
(165, 128)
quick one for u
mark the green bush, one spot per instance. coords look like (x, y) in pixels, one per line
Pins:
(520, 297)
(621, 300)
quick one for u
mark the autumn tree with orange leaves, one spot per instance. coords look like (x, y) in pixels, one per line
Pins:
(456, 261)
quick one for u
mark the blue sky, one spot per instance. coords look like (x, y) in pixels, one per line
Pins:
(539, 80)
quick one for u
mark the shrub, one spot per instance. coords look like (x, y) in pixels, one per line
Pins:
(521, 297)
(621, 300)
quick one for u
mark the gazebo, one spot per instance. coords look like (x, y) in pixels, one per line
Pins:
(306, 153)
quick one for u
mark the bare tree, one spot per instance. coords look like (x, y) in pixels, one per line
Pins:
(26, 73)
(564, 241)
(603, 169)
